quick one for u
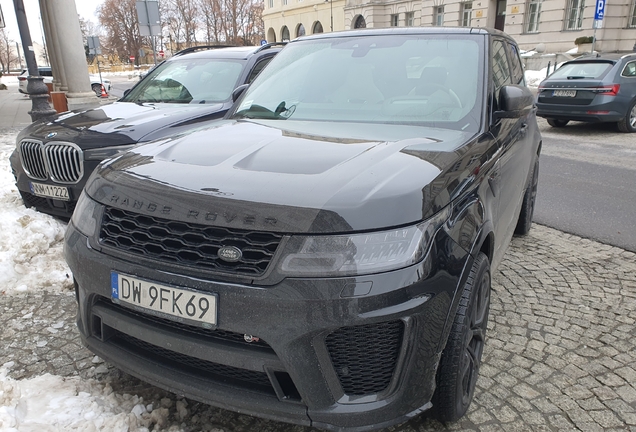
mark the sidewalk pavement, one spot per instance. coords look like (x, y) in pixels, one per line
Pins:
(14, 106)
(560, 351)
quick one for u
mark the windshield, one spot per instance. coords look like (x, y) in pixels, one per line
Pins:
(581, 70)
(189, 81)
(413, 79)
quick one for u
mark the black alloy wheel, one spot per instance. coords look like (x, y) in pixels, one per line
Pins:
(557, 123)
(524, 223)
(459, 365)
(97, 89)
(628, 123)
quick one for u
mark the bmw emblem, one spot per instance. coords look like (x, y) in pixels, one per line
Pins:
(51, 135)
(230, 253)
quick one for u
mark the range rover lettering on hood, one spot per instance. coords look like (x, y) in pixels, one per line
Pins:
(228, 217)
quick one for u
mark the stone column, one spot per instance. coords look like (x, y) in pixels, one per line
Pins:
(65, 23)
(59, 78)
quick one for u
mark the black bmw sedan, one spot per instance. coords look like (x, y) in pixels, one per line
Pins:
(55, 156)
(323, 255)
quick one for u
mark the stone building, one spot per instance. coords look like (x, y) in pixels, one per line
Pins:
(555, 23)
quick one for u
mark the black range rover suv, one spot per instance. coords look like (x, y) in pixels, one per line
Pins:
(323, 256)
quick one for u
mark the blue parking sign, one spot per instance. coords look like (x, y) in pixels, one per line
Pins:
(600, 10)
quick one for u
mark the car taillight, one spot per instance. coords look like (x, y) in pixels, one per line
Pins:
(21, 78)
(611, 90)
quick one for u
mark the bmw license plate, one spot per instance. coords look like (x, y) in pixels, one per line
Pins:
(49, 191)
(178, 304)
(564, 93)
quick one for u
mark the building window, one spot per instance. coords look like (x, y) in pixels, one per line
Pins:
(632, 15)
(439, 16)
(574, 14)
(284, 33)
(284, 2)
(466, 14)
(317, 28)
(409, 19)
(533, 15)
(359, 22)
(394, 20)
(300, 30)
(270, 3)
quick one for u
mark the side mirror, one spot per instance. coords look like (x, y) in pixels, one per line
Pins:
(514, 101)
(239, 91)
(126, 92)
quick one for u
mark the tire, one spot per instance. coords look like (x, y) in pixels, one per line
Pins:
(97, 89)
(459, 365)
(628, 123)
(524, 223)
(557, 123)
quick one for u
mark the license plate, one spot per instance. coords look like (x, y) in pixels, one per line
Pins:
(49, 191)
(564, 93)
(179, 304)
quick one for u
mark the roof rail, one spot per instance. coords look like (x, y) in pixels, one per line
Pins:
(201, 47)
(269, 45)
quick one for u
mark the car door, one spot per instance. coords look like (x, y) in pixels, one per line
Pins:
(510, 177)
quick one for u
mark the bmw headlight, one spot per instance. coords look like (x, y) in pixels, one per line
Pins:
(86, 215)
(358, 254)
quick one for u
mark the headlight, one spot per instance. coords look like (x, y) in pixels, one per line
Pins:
(105, 152)
(358, 254)
(86, 215)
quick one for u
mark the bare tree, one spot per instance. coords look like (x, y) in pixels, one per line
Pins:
(182, 19)
(118, 18)
(212, 20)
(8, 55)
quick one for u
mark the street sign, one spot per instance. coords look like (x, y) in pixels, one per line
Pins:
(600, 10)
(161, 53)
(132, 58)
(93, 45)
(1, 18)
(263, 42)
(148, 16)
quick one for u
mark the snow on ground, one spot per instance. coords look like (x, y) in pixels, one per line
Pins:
(31, 242)
(31, 260)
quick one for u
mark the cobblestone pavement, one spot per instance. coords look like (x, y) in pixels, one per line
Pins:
(560, 355)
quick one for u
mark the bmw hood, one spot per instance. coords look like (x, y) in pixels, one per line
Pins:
(120, 123)
(288, 176)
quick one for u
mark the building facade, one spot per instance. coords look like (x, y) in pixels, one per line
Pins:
(555, 23)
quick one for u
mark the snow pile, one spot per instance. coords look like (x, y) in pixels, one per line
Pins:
(50, 403)
(534, 78)
(31, 242)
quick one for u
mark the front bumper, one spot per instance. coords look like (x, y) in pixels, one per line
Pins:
(355, 353)
(55, 207)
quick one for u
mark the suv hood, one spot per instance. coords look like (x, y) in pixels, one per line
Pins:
(124, 122)
(288, 176)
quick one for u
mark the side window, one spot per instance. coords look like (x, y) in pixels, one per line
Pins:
(629, 70)
(517, 68)
(500, 68)
(258, 67)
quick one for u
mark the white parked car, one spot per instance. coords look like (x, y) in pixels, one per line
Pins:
(96, 83)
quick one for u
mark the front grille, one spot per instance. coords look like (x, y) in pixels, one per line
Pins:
(252, 380)
(186, 243)
(62, 162)
(365, 357)
(33, 159)
(65, 162)
(217, 334)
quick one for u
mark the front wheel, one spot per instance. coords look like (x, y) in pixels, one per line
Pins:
(558, 123)
(628, 123)
(459, 365)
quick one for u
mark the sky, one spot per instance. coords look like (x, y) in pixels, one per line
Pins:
(85, 8)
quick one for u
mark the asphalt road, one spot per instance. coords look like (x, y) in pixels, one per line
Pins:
(120, 83)
(587, 183)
